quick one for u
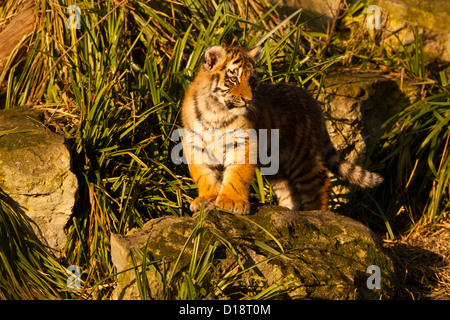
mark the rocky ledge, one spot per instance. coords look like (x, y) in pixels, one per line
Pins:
(311, 255)
(36, 176)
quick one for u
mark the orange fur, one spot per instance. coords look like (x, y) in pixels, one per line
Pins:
(225, 96)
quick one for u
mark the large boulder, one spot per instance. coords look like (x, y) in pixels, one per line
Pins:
(431, 17)
(325, 9)
(355, 106)
(35, 174)
(312, 255)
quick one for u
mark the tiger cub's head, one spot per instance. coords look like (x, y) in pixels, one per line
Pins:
(232, 73)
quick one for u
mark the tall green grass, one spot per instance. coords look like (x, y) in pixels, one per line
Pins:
(415, 151)
(27, 270)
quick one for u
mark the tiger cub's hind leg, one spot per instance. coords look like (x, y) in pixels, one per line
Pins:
(311, 183)
(314, 190)
(314, 196)
(286, 194)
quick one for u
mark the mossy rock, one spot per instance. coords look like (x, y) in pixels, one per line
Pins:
(430, 17)
(36, 176)
(322, 255)
(355, 108)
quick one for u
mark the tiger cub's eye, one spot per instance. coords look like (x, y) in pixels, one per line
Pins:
(233, 79)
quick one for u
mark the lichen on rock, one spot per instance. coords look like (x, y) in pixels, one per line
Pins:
(35, 173)
(308, 255)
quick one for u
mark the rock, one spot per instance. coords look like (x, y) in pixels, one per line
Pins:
(356, 106)
(326, 9)
(325, 255)
(430, 16)
(35, 174)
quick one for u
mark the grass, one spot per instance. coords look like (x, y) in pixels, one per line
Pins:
(114, 87)
(27, 270)
(419, 160)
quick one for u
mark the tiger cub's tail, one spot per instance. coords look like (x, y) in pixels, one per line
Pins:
(349, 171)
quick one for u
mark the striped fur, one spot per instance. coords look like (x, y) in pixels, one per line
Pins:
(225, 95)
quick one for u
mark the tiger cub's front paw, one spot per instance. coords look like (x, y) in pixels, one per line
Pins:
(196, 204)
(237, 205)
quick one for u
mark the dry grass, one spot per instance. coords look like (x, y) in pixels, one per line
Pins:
(423, 260)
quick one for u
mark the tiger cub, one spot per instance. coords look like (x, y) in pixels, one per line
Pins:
(225, 95)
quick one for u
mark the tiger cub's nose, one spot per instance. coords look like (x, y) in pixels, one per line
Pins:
(246, 101)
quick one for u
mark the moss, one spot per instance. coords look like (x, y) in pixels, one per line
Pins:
(433, 15)
(315, 264)
(331, 231)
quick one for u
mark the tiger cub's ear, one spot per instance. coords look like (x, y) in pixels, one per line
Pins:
(255, 53)
(213, 56)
